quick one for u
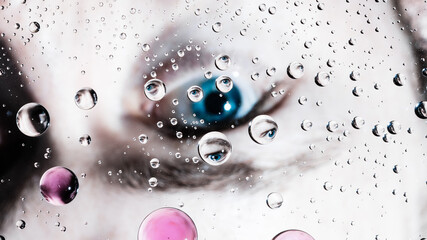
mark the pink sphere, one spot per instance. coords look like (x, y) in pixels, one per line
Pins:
(59, 185)
(293, 235)
(167, 224)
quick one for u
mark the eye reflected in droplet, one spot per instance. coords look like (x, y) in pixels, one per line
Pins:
(421, 110)
(224, 84)
(293, 235)
(295, 70)
(167, 223)
(263, 129)
(322, 79)
(86, 98)
(155, 89)
(32, 119)
(59, 186)
(152, 182)
(214, 148)
(143, 138)
(195, 93)
(155, 163)
(399, 79)
(222, 62)
(34, 27)
(85, 140)
(274, 200)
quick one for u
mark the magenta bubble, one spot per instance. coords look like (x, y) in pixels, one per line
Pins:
(293, 235)
(59, 185)
(167, 223)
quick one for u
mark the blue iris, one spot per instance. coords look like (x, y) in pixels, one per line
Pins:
(216, 156)
(216, 106)
(271, 133)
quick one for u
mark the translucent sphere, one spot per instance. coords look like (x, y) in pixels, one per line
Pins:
(214, 148)
(293, 235)
(155, 89)
(262, 129)
(167, 223)
(59, 186)
(224, 84)
(195, 93)
(295, 70)
(274, 200)
(32, 119)
(86, 98)
(222, 62)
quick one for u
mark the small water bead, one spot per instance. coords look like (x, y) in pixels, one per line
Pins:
(167, 223)
(145, 47)
(262, 7)
(357, 122)
(85, 140)
(152, 182)
(352, 41)
(224, 84)
(222, 62)
(20, 224)
(143, 138)
(270, 71)
(378, 130)
(295, 70)
(272, 10)
(59, 186)
(86, 98)
(255, 76)
(195, 93)
(357, 91)
(179, 135)
(355, 75)
(159, 124)
(327, 186)
(175, 102)
(155, 89)
(263, 129)
(174, 121)
(36, 164)
(399, 79)
(330, 63)
(332, 126)
(421, 110)
(293, 235)
(155, 163)
(32, 119)
(302, 100)
(214, 148)
(34, 27)
(17, 25)
(217, 27)
(208, 74)
(394, 127)
(424, 72)
(306, 125)
(274, 200)
(322, 79)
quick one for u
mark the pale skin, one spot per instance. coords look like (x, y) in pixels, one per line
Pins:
(65, 57)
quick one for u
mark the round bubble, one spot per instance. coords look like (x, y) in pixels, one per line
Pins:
(214, 148)
(421, 110)
(295, 70)
(32, 119)
(322, 79)
(274, 200)
(378, 130)
(263, 129)
(224, 84)
(217, 27)
(293, 235)
(34, 27)
(306, 125)
(85, 140)
(399, 79)
(155, 89)
(222, 62)
(167, 223)
(59, 185)
(143, 138)
(86, 98)
(195, 93)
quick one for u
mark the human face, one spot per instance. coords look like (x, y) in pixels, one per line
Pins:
(313, 144)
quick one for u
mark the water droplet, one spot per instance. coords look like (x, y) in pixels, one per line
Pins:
(306, 125)
(332, 126)
(208, 75)
(270, 71)
(399, 79)
(152, 182)
(272, 10)
(321, 6)
(17, 25)
(159, 124)
(59, 185)
(20, 224)
(143, 139)
(352, 41)
(181, 53)
(424, 72)
(32, 119)
(224, 84)
(167, 223)
(357, 91)
(217, 27)
(263, 129)
(154, 163)
(123, 36)
(174, 121)
(327, 186)
(34, 27)
(145, 47)
(295, 70)
(355, 75)
(85, 140)
(274, 200)
(322, 79)
(262, 7)
(421, 110)
(394, 127)
(214, 148)
(358, 122)
(86, 98)
(293, 235)
(396, 169)
(378, 130)
(222, 62)
(302, 100)
(195, 93)
(155, 89)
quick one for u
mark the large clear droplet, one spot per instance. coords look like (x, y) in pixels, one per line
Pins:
(399, 79)
(295, 70)
(222, 62)
(167, 223)
(32, 119)
(155, 89)
(293, 235)
(274, 200)
(195, 93)
(86, 98)
(224, 84)
(59, 186)
(421, 110)
(262, 129)
(214, 148)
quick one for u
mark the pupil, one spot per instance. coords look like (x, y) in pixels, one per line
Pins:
(214, 103)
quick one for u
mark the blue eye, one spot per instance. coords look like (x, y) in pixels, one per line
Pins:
(216, 156)
(217, 107)
(271, 133)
